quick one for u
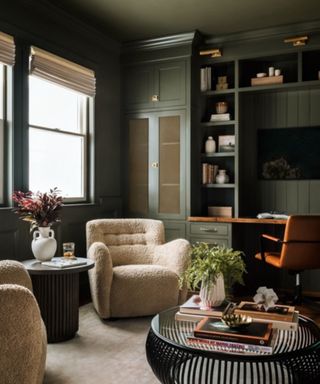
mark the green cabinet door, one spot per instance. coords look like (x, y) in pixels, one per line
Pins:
(155, 86)
(156, 165)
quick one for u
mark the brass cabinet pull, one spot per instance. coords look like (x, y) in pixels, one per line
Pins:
(155, 98)
(205, 229)
(155, 164)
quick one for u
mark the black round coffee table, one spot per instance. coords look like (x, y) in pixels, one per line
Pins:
(295, 359)
(57, 293)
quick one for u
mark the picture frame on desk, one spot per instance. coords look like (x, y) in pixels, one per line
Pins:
(226, 143)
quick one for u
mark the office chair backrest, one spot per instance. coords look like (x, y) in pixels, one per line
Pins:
(301, 248)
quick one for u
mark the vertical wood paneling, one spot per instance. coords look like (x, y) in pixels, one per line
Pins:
(303, 196)
(304, 109)
(279, 110)
(280, 195)
(292, 197)
(315, 196)
(315, 107)
(292, 109)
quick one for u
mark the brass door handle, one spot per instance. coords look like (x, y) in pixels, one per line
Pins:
(155, 164)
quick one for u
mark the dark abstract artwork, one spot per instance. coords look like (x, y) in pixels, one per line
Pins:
(289, 153)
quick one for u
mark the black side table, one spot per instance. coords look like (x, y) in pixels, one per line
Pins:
(57, 293)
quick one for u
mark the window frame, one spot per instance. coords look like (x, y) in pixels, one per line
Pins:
(86, 110)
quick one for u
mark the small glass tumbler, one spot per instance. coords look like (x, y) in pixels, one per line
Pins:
(68, 249)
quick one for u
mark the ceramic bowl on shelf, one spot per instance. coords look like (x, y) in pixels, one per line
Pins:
(261, 74)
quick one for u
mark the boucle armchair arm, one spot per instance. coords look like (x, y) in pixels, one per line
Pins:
(13, 272)
(100, 278)
(176, 256)
(22, 336)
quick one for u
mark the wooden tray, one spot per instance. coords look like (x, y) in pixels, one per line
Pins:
(268, 80)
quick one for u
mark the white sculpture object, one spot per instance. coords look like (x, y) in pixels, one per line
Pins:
(266, 297)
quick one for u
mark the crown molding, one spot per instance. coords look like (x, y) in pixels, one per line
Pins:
(266, 33)
(161, 42)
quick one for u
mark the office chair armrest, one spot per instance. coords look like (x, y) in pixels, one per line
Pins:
(267, 237)
(272, 238)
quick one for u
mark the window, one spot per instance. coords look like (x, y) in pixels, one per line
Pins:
(58, 130)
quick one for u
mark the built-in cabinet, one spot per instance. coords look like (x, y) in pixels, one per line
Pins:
(157, 134)
(290, 101)
(160, 85)
(156, 165)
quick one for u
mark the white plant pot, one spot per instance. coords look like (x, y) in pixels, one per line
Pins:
(212, 294)
(44, 245)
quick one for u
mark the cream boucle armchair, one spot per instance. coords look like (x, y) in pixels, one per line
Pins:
(135, 273)
(23, 339)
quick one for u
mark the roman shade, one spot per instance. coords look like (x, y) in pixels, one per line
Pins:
(61, 71)
(7, 49)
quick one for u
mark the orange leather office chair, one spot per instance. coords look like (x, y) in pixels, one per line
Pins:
(300, 248)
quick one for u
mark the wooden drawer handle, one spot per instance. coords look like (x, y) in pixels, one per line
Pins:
(204, 229)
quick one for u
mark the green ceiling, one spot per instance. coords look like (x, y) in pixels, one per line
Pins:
(141, 19)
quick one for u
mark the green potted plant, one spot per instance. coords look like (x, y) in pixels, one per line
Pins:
(213, 269)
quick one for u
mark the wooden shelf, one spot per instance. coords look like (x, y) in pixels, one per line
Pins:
(214, 123)
(226, 185)
(218, 154)
(214, 92)
(283, 87)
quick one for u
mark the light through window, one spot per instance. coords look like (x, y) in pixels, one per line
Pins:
(57, 138)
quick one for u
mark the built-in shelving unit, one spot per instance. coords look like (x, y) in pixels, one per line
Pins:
(291, 103)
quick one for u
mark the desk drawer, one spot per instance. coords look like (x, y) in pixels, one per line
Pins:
(211, 241)
(212, 229)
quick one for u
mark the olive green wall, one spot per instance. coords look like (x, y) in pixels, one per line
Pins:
(48, 28)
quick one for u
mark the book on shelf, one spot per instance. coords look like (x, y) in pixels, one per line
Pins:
(205, 79)
(209, 172)
(62, 263)
(192, 307)
(254, 333)
(220, 117)
(278, 312)
(232, 346)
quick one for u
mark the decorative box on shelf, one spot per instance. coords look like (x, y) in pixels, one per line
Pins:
(267, 80)
(220, 117)
(220, 211)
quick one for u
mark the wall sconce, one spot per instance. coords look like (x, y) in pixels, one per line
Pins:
(297, 41)
(211, 52)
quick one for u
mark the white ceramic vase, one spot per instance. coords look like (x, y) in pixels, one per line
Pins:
(212, 294)
(222, 177)
(210, 145)
(44, 245)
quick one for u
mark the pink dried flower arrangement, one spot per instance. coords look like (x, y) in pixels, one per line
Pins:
(40, 209)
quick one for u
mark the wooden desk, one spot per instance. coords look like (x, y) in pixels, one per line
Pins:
(235, 220)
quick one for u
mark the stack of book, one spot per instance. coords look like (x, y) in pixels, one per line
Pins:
(192, 311)
(211, 333)
(281, 316)
(209, 172)
(220, 117)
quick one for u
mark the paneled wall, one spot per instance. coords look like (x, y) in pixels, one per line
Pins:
(275, 109)
(44, 25)
(280, 109)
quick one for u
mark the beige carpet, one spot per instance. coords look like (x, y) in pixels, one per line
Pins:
(107, 352)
